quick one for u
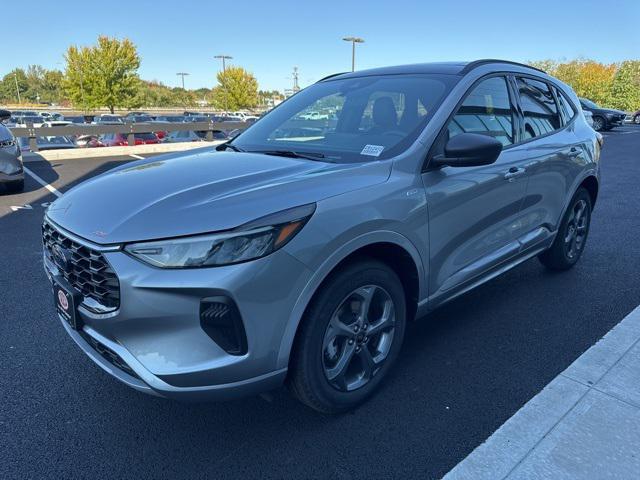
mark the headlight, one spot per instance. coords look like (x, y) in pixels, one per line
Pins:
(247, 242)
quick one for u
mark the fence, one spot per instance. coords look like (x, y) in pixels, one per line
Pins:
(130, 129)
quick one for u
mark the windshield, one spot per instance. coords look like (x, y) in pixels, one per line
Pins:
(588, 103)
(351, 120)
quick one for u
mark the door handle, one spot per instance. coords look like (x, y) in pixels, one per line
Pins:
(513, 173)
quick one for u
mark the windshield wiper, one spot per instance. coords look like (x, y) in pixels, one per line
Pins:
(224, 146)
(315, 156)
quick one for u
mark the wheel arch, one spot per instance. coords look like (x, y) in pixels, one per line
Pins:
(591, 185)
(391, 248)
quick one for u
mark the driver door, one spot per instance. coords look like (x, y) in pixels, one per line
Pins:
(473, 211)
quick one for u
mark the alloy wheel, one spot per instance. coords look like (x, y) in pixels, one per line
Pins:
(358, 338)
(576, 232)
(598, 124)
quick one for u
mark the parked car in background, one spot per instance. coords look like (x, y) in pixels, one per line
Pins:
(138, 118)
(56, 123)
(75, 119)
(11, 168)
(170, 118)
(35, 120)
(603, 118)
(193, 136)
(120, 139)
(635, 117)
(88, 141)
(108, 120)
(300, 259)
(243, 116)
(54, 142)
(136, 114)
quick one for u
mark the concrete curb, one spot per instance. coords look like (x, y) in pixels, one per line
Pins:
(585, 424)
(115, 151)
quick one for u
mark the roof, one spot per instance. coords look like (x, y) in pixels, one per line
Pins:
(447, 68)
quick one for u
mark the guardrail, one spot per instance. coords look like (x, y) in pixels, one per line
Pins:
(130, 129)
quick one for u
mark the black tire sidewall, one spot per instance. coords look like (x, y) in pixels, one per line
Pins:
(335, 290)
(581, 194)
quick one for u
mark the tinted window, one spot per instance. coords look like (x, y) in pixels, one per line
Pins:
(539, 107)
(487, 111)
(566, 107)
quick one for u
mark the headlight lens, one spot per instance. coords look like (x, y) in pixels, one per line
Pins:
(248, 242)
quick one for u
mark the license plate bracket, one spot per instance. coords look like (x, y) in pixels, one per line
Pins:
(66, 300)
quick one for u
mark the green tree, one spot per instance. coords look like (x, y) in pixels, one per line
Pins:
(237, 89)
(8, 92)
(625, 88)
(103, 75)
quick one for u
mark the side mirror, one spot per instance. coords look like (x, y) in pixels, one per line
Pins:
(469, 150)
(4, 115)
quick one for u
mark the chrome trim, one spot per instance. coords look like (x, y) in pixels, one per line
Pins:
(82, 241)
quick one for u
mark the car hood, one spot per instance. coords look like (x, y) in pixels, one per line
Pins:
(203, 191)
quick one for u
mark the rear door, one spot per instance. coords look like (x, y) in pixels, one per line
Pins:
(554, 154)
(472, 210)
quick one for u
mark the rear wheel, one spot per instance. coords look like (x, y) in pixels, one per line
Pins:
(636, 119)
(598, 124)
(349, 337)
(572, 234)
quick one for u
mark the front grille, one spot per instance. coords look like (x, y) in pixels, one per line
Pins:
(109, 355)
(85, 269)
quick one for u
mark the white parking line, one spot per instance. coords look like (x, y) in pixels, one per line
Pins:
(139, 157)
(42, 182)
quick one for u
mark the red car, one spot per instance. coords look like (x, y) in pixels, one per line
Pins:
(120, 139)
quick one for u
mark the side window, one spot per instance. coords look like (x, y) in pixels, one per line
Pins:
(540, 111)
(566, 107)
(487, 111)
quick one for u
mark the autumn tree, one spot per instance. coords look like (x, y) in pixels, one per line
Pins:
(103, 75)
(237, 89)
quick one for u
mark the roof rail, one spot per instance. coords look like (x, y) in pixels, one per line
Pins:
(331, 76)
(477, 63)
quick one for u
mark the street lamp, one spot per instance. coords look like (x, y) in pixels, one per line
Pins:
(182, 74)
(353, 41)
(224, 69)
(15, 77)
(223, 58)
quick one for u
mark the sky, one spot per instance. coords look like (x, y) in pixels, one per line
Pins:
(270, 37)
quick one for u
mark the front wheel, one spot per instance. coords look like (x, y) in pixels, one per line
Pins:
(572, 234)
(349, 337)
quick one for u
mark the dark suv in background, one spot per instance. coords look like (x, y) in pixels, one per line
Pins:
(603, 118)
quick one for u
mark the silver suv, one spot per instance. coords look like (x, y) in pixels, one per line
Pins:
(298, 252)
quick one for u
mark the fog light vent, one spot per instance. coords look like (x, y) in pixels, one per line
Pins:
(220, 319)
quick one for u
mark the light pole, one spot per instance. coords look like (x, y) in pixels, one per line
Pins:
(182, 74)
(353, 41)
(224, 69)
(223, 58)
(15, 77)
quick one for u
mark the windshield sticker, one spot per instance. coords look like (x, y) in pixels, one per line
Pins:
(372, 150)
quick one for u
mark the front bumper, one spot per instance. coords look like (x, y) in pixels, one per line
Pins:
(156, 329)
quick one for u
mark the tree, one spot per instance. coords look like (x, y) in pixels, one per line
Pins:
(625, 89)
(105, 74)
(237, 89)
(8, 91)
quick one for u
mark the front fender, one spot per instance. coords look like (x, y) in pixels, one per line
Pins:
(314, 282)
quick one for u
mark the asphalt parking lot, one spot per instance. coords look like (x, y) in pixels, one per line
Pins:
(463, 371)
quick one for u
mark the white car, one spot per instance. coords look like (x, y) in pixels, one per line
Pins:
(243, 116)
(36, 120)
(56, 123)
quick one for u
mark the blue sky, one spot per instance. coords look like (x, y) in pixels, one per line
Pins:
(270, 37)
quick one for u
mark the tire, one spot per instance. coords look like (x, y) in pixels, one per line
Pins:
(15, 187)
(332, 334)
(636, 119)
(572, 235)
(598, 123)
